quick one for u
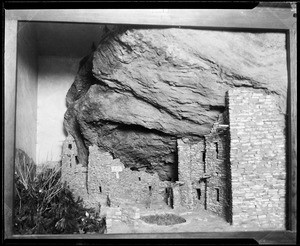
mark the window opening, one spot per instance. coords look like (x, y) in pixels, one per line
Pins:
(171, 198)
(198, 194)
(167, 196)
(100, 189)
(139, 178)
(77, 160)
(217, 149)
(203, 156)
(150, 188)
(70, 146)
(217, 194)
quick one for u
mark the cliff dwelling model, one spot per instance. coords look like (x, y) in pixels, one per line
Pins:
(182, 122)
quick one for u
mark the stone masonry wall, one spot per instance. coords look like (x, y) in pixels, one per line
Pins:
(106, 179)
(73, 172)
(128, 215)
(109, 177)
(190, 169)
(216, 166)
(258, 160)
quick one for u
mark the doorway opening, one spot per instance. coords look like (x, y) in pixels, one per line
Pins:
(198, 194)
(169, 197)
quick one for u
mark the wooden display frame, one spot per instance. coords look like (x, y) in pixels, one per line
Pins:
(258, 19)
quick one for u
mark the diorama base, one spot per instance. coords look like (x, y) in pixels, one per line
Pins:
(195, 221)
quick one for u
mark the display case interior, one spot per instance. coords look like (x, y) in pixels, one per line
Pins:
(155, 129)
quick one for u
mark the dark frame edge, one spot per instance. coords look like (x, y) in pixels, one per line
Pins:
(10, 80)
(292, 129)
(289, 27)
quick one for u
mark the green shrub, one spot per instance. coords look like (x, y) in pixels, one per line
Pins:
(44, 205)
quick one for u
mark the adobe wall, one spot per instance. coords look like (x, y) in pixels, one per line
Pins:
(258, 160)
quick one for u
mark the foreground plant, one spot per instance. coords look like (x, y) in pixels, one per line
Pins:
(43, 205)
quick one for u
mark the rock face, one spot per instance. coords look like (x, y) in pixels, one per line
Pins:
(141, 89)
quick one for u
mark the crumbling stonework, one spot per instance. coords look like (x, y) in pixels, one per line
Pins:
(109, 178)
(106, 182)
(128, 215)
(72, 172)
(257, 156)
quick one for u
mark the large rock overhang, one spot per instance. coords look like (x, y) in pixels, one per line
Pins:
(141, 89)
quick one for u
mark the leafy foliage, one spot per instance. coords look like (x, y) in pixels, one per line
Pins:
(44, 205)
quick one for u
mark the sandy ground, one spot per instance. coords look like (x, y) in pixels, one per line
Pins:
(196, 221)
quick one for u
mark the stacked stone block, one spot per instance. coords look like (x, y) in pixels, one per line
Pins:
(73, 173)
(113, 215)
(216, 166)
(99, 173)
(130, 215)
(258, 160)
(176, 196)
(106, 179)
(109, 177)
(116, 215)
(204, 172)
(190, 169)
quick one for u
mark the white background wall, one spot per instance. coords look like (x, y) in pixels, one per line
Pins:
(48, 60)
(56, 74)
(26, 104)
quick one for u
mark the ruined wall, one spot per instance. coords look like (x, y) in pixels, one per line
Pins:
(257, 155)
(190, 169)
(176, 196)
(114, 216)
(73, 172)
(106, 182)
(109, 177)
(216, 166)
